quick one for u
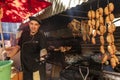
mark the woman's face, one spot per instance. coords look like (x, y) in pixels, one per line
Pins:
(34, 26)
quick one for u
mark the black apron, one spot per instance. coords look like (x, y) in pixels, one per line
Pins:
(30, 52)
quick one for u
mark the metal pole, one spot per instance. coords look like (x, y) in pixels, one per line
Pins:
(2, 38)
(1, 30)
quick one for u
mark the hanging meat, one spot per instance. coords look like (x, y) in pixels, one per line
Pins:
(110, 49)
(105, 58)
(100, 11)
(93, 22)
(101, 20)
(110, 7)
(102, 29)
(93, 40)
(114, 48)
(97, 14)
(107, 20)
(106, 10)
(85, 29)
(91, 30)
(94, 32)
(75, 26)
(97, 24)
(113, 62)
(111, 16)
(91, 14)
(89, 22)
(102, 41)
(110, 38)
(98, 32)
(111, 28)
(116, 58)
(102, 49)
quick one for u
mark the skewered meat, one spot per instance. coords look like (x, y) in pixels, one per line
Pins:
(111, 28)
(93, 22)
(91, 14)
(110, 38)
(85, 29)
(110, 49)
(87, 34)
(107, 20)
(101, 11)
(94, 32)
(75, 25)
(106, 10)
(114, 48)
(111, 16)
(84, 37)
(97, 23)
(114, 27)
(111, 7)
(113, 62)
(102, 29)
(98, 32)
(116, 59)
(101, 20)
(91, 30)
(93, 40)
(105, 58)
(97, 13)
(102, 41)
(102, 50)
(89, 23)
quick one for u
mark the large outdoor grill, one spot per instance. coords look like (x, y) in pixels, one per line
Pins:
(83, 54)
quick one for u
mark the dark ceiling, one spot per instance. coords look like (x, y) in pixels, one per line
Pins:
(79, 12)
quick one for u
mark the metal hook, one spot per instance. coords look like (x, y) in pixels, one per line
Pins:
(98, 4)
(84, 77)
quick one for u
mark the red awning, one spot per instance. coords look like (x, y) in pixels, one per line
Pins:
(19, 10)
